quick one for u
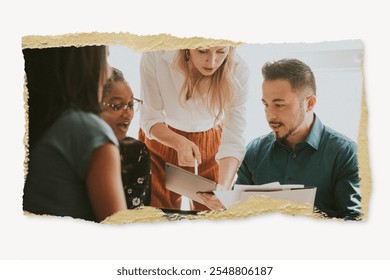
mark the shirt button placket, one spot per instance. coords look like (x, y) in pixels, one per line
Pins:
(293, 155)
(289, 171)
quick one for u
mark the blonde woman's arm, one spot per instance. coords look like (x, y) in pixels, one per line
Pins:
(228, 167)
(187, 151)
(232, 149)
(104, 182)
(152, 116)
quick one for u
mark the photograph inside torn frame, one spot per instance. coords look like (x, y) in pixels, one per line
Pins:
(197, 132)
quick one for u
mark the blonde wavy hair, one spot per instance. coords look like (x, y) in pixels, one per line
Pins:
(215, 91)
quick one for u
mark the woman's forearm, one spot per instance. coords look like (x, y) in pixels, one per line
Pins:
(104, 184)
(186, 150)
(228, 167)
(164, 135)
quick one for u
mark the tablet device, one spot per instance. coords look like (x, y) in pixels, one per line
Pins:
(186, 183)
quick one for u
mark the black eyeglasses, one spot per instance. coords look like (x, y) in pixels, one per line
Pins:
(133, 105)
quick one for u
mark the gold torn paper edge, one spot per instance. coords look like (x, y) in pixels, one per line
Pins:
(251, 207)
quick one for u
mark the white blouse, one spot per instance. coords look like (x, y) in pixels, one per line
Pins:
(160, 89)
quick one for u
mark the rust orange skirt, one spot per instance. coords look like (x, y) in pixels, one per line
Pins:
(208, 144)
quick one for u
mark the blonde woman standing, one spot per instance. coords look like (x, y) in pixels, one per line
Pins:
(194, 109)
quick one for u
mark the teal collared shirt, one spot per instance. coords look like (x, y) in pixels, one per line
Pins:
(326, 160)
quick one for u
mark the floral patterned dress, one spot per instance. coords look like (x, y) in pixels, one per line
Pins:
(136, 175)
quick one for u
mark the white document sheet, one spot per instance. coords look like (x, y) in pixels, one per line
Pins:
(296, 193)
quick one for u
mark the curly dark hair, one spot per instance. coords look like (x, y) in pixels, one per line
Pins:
(117, 76)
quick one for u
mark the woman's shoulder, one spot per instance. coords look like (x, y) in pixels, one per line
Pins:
(77, 121)
(132, 150)
(131, 143)
(241, 66)
(162, 55)
(77, 117)
(241, 72)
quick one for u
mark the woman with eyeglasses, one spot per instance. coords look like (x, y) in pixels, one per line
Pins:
(74, 160)
(118, 107)
(193, 113)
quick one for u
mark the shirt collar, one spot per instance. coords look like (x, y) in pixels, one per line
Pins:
(314, 137)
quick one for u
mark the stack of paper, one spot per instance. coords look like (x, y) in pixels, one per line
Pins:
(297, 193)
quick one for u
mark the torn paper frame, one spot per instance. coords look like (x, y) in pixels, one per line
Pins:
(163, 41)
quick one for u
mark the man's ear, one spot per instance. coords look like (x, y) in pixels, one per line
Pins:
(311, 102)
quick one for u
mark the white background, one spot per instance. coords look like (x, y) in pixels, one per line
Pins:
(271, 236)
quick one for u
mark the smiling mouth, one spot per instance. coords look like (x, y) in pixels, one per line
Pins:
(124, 125)
(274, 125)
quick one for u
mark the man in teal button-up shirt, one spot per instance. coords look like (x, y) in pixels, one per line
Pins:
(301, 150)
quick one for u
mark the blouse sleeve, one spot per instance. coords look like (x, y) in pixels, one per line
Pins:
(152, 108)
(234, 124)
(85, 132)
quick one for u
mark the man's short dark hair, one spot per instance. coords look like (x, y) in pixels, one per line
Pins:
(295, 71)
